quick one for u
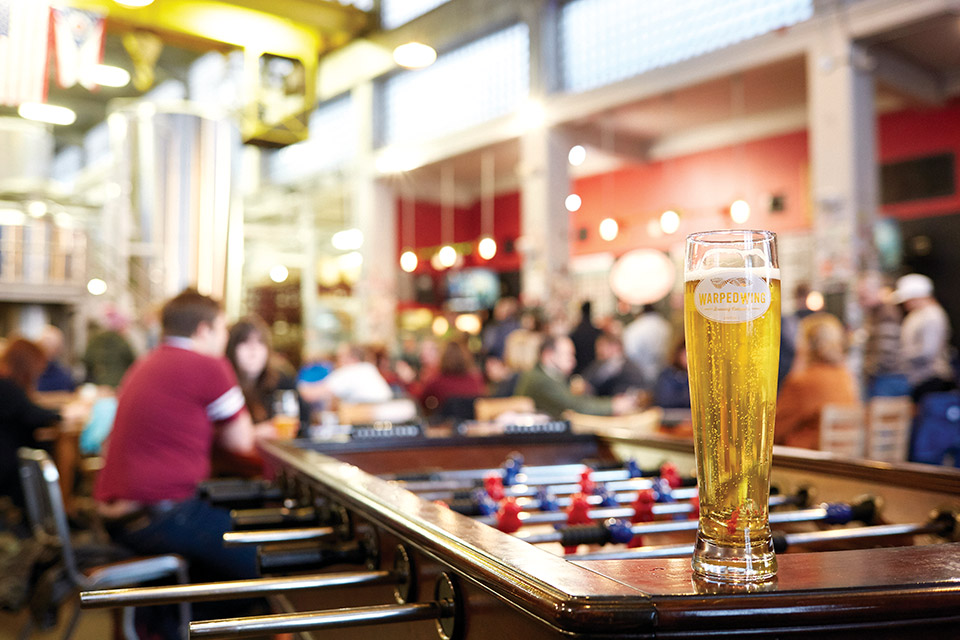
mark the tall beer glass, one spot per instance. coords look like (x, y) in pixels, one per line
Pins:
(732, 326)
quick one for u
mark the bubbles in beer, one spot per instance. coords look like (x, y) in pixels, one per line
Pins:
(733, 389)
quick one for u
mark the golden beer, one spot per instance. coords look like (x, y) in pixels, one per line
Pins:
(732, 327)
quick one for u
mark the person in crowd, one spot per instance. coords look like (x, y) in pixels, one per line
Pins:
(261, 378)
(458, 378)
(789, 326)
(646, 341)
(414, 379)
(547, 384)
(584, 337)
(21, 364)
(521, 354)
(818, 377)
(380, 356)
(353, 381)
(108, 354)
(924, 337)
(612, 372)
(56, 376)
(316, 366)
(410, 352)
(173, 405)
(504, 323)
(672, 390)
(880, 335)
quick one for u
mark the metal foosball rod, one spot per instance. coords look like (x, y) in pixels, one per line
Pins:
(942, 524)
(317, 620)
(670, 508)
(527, 490)
(600, 533)
(445, 609)
(480, 503)
(230, 590)
(512, 473)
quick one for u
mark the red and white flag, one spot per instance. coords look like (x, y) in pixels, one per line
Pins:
(78, 38)
(24, 40)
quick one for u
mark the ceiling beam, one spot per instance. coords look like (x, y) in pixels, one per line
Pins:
(730, 132)
(620, 144)
(212, 21)
(332, 19)
(904, 76)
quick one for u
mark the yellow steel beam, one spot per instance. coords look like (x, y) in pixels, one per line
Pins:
(208, 20)
(330, 18)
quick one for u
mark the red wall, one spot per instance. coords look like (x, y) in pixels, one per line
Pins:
(425, 219)
(701, 186)
(914, 132)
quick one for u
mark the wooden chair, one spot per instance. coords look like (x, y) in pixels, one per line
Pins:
(889, 420)
(632, 424)
(843, 430)
(490, 408)
(49, 525)
(397, 410)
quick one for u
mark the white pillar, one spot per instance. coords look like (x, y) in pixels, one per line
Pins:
(544, 178)
(843, 162)
(309, 304)
(373, 210)
(545, 225)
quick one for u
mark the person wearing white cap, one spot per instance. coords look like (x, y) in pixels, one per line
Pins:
(924, 337)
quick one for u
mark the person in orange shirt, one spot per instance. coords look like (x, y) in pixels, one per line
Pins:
(819, 377)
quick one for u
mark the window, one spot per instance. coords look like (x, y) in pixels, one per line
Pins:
(479, 81)
(331, 143)
(604, 41)
(394, 13)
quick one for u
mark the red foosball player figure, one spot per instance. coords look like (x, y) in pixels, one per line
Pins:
(577, 513)
(587, 485)
(668, 471)
(493, 484)
(508, 516)
(642, 512)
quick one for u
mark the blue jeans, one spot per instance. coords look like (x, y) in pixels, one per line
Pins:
(936, 429)
(193, 529)
(887, 385)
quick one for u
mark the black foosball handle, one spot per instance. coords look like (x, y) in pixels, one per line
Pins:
(238, 490)
(273, 517)
(309, 558)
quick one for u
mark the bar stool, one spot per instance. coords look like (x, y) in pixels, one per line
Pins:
(48, 522)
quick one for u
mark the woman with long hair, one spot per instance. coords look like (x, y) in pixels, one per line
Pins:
(458, 381)
(21, 364)
(261, 379)
(818, 377)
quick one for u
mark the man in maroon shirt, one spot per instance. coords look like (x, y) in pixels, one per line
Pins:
(173, 404)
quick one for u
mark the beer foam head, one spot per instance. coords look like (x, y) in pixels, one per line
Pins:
(728, 259)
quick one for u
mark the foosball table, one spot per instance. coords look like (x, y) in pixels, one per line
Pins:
(556, 534)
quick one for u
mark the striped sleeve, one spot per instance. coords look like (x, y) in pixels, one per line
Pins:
(227, 405)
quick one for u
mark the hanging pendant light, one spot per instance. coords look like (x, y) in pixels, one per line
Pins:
(408, 218)
(447, 256)
(739, 208)
(487, 248)
(409, 261)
